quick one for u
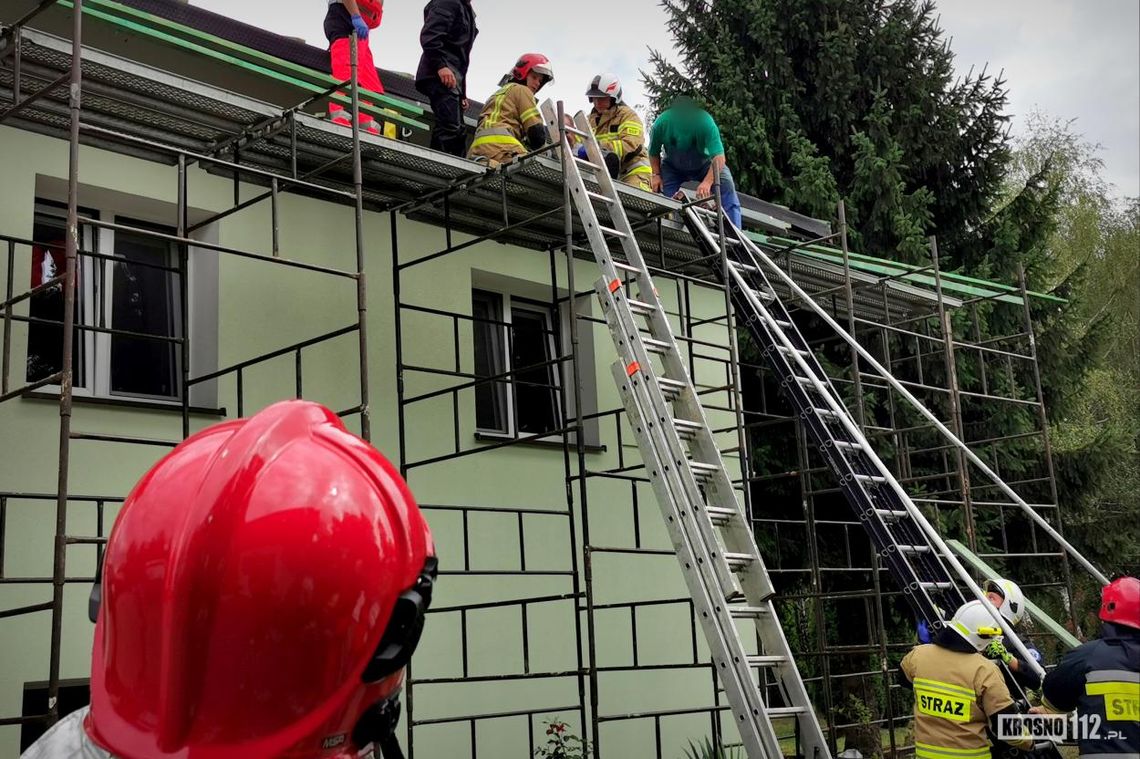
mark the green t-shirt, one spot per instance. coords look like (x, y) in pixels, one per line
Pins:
(686, 129)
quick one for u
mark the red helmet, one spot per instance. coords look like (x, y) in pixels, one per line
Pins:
(1120, 602)
(536, 62)
(263, 587)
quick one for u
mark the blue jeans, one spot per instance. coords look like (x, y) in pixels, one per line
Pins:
(683, 168)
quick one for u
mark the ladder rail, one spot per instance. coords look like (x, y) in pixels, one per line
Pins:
(731, 677)
(687, 470)
(839, 412)
(758, 256)
(918, 406)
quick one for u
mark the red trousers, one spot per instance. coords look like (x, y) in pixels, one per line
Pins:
(341, 54)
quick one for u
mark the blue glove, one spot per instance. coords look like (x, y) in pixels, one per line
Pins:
(360, 26)
(582, 152)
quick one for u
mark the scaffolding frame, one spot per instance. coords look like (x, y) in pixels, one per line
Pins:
(932, 334)
(12, 43)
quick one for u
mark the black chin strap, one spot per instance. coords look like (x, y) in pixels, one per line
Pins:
(390, 748)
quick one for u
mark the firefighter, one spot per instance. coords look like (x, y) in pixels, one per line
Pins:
(1007, 598)
(1101, 679)
(344, 19)
(262, 590)
(620, 133)
(510, 124)
(958, 693)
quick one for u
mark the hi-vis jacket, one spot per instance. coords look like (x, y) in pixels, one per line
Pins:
(1101, 680)
(620, 131)
(503, 123)
(955, 696)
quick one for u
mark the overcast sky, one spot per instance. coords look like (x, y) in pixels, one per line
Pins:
(1072, 59)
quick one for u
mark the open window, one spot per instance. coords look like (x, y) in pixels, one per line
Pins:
(127, 296)
(515, 345)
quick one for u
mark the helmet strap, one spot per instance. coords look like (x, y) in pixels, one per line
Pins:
(378, 726)
(405, 626)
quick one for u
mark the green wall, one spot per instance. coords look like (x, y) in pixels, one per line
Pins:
(263, 307)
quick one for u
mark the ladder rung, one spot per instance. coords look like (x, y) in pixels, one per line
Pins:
(766, 660)
(892, 514)
(602, 198)
(798, 351)
(782, 324)
(742, 266)
(806, 380)
(847, 445)
(670, 387)
(825, 412)
(936, 585)
(579, 132)
(626, 267)
(702, 470)
(584, 162)
(914, 549)
(612, 232)
(763, 295)
(738, 560)
(720, 515)
(641, 307)
(747, 612)
(654, 345)
(870, 478)
(785, 711)
(686, 429)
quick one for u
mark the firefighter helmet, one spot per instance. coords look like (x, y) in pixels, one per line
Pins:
(1012, 606)
(532, 62)
(973, 622)
(263, 587)
(605, 86)
(1120, 602)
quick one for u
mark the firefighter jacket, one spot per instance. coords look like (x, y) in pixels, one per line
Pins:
(66, 740)
(1101, 679)
(956, 694)
(619, 130)
(504, 123)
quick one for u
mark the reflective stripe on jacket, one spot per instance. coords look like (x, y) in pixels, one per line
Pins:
(955, 695)
(504, 121)
(1101, 680)
(620, 131)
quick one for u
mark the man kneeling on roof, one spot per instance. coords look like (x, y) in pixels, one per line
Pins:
(510, 124)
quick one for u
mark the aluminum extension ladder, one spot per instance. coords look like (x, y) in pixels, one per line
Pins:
(926, 569)
(714, 544)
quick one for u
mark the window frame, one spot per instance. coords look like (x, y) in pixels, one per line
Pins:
(96, 284)
(507, 303)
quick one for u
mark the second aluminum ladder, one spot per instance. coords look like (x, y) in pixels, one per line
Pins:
(932, 579)
(713, 539)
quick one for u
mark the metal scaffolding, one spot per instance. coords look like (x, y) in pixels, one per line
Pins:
(817, 551)
(32, 56)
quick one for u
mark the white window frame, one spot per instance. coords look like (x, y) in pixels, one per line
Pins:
(99, 290)
(508, 303)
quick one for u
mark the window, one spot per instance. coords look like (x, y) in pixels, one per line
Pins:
(135, 290)
(516, 336)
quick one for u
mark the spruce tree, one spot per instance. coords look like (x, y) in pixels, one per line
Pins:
(820, 100)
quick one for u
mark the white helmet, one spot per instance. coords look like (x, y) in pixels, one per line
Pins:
(605, 86)
(1012, 606)
(973, 622)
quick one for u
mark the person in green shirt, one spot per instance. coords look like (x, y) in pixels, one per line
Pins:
(686, 147)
